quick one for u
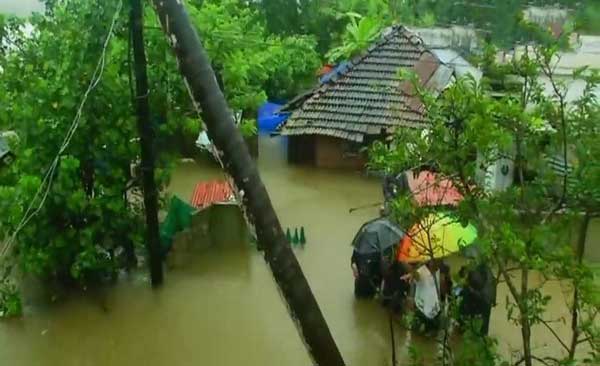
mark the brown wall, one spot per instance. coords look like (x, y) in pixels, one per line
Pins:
(324, 152)
(331, 152)
(301, 149)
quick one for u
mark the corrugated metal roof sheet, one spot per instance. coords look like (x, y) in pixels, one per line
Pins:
(453, 59)
(212, 192)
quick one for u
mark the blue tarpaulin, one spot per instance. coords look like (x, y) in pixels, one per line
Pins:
(269, 117)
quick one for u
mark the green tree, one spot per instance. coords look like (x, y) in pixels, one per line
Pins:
(85, 220)
(282, 16)
(524, 230)
(360, 33)
(587, 18)
(251, 63)
(87, 224)
(366, 19)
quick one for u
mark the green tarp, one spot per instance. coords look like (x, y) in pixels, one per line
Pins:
(179, 218)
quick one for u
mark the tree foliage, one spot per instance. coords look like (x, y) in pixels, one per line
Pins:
(252, 64)
(85, 219)
(360, 33)
(498, 21)
(524, 230)
(88, 224)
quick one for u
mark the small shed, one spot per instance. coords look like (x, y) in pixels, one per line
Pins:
(364, 99)
(212, 192)
(212, 219)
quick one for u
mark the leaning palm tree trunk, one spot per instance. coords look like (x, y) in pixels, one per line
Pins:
(196, 68)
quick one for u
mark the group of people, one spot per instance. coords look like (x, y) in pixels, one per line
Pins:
(427, 288)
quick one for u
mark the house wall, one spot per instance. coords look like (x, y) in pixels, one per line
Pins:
(325, 152)
(331, 152)
(301, 150)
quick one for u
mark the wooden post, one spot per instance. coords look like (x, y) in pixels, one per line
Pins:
(147, 143)
(197, 71)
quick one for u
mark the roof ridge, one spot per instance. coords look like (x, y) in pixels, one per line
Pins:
(384, 38)
(413, 37)
(395, 41)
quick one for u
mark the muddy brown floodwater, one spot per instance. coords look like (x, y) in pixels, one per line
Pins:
(223, 308)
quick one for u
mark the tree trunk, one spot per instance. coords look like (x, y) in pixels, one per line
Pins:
(525, 325)
(579, 251)
(196, 68)
(87, 174)
(147, 143)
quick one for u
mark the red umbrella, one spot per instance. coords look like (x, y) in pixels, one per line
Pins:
(428, 190)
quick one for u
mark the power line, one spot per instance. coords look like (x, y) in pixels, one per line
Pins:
(46, 184)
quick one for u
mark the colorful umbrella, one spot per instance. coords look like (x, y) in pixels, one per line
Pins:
(436, 236)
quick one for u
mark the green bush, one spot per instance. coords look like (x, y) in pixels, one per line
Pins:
(10, 301)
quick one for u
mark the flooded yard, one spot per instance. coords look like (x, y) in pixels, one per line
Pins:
(223, 308)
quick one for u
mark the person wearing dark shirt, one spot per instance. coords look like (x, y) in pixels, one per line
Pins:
(478, 296)
(395, 289)
(366, 269)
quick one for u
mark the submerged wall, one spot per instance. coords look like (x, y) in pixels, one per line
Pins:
(331, 152)
(220, 226)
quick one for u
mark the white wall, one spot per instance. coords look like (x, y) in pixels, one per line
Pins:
(20, 7)
(586, 52)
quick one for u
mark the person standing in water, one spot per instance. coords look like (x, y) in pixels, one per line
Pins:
(395, 290)
(428, 295)
(478, 297)
(367, 274)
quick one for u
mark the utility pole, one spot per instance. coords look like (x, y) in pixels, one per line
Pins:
(196, 68)
(147, 143)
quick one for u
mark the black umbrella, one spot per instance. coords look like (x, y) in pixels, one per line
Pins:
(377, 236)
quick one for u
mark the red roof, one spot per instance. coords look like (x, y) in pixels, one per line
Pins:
(429, 191)
(209, 193)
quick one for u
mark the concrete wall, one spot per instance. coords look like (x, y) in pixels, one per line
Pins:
(217, 226)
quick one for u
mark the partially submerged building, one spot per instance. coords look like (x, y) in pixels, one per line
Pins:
(212, 219)
(364, 99)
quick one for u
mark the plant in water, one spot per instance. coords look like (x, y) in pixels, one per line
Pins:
(248, 128)
(10, 301)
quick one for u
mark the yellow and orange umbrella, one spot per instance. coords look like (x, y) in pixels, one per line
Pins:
(436, 236)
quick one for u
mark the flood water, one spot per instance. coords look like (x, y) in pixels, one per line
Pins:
(223, 308)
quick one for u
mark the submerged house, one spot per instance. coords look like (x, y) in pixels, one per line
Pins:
(363, 100)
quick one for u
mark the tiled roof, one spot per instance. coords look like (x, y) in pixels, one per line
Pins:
(366, 97)
(213, 192)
